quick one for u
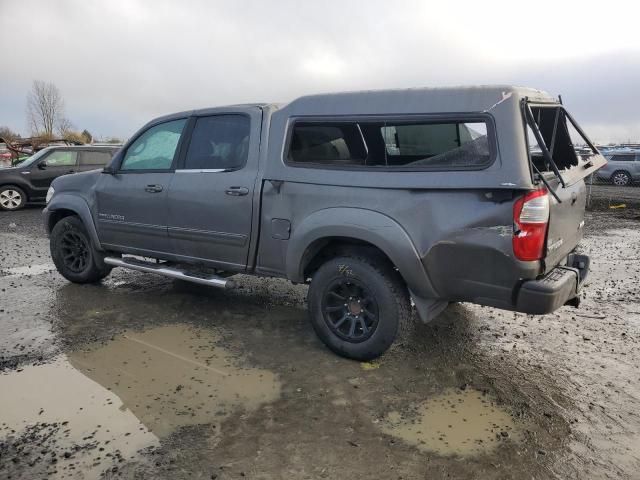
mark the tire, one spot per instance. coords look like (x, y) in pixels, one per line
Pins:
(358, 305)
(74, 255)
(12, 198)
(621, 178)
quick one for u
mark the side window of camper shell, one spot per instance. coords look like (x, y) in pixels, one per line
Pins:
(393, 144)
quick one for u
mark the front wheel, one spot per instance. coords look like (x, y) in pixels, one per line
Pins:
(73, 254)
(357, 306)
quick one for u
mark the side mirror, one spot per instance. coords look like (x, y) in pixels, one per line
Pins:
(42, 165)
(109, 169)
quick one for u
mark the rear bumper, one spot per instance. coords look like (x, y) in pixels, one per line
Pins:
(559, 287)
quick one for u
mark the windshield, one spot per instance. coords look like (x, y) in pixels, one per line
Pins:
(33, 158)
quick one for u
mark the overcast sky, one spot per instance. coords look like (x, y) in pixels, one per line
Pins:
(119, 63)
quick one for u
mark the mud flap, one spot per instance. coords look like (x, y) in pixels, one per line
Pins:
(428, 308)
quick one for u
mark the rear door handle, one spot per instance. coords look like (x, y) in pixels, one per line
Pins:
(237, 191)
(153, 188)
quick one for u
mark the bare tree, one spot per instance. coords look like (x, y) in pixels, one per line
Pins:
(64, 126)
(45, 108)
(7, 134)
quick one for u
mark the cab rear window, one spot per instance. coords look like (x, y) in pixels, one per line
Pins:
(391, 144)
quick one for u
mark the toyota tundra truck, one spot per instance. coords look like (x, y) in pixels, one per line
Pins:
(384, 202)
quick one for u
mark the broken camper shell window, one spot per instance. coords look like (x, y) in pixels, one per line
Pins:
(554, 140)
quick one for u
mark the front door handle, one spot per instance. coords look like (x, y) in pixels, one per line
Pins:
(237, 191)
(153, 188)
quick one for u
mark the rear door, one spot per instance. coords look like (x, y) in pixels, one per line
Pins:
(132, 202)
(210, 202)
(554, 134)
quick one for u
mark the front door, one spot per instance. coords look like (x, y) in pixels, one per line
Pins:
(132, 201)
(211, 196)
(55, 164)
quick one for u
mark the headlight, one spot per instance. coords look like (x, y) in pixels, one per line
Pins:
(50, 193)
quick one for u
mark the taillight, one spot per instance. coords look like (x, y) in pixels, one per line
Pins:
(530, 222)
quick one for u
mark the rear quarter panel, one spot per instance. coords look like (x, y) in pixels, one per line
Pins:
(460, 239)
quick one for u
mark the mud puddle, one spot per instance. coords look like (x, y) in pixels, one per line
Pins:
(77, 424)
(456, 422)
(91, 409)
(173, 376)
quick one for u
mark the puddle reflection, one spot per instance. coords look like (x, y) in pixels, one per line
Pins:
(127, 394)
(174, 376)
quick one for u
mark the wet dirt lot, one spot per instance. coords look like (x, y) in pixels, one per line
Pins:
(144, 377)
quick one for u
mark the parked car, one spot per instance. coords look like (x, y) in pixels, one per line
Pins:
(623, 167)
(29, 180)
(376, 199)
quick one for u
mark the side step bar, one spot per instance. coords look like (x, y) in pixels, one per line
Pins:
(147, 267)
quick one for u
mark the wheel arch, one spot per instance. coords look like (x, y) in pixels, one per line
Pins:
(326, 231)
(64, 205)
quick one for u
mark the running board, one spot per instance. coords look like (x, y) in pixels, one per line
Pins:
(158, 268)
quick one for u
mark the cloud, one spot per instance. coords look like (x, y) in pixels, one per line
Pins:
(121, 63)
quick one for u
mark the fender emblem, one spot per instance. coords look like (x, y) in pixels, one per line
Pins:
(111, 216)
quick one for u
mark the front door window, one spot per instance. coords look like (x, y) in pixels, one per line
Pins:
(155, 149)
(61, 158)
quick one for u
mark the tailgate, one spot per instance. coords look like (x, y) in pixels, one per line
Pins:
(554, 140)
(566, 221)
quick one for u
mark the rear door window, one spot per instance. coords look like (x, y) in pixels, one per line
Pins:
(93, 158)
(219, 142)
(622, 158)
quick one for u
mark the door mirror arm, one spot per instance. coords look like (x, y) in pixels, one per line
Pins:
(42, 165)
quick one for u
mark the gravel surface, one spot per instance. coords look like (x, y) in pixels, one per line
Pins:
(143, 377)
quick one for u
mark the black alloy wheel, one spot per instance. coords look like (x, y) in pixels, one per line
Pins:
(350, 310)
(75, 251)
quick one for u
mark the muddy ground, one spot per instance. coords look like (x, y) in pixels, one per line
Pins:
(144, 377)
(604, 195)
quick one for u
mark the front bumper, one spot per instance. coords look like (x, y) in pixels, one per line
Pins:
(559, 287)
(46, 218)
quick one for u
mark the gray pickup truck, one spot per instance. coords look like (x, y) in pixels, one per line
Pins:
(381, 200)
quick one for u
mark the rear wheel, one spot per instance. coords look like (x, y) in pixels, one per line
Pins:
(358, 305)
(12, 198)
(621, 178)
(73, 253)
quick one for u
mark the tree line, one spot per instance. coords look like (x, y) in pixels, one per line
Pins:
(46, 117)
